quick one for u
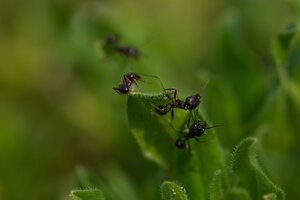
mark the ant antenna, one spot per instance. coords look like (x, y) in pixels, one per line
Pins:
(205, 85)
(173, 90)
(179, 131)
(218, 125)
(154, 76)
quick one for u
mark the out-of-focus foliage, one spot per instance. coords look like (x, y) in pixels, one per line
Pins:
(201, 170)
(172, 191)
(88, 194)
(58, 109)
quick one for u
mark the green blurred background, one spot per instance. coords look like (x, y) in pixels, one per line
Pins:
(59, 114)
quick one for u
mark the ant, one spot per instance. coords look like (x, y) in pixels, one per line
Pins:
(111, 39)
(111, 45)
(196, 130)
(190, 103)
(128, 51)
(128, 79)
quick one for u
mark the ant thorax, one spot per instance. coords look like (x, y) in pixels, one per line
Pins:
(128, 51)
(178, 104)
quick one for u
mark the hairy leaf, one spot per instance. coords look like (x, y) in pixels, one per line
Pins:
(150, 133)
(172, 191)
(116, 184)
(89, 194)
(245, 165)
(156, 138)
(216, 190)
(236, 193)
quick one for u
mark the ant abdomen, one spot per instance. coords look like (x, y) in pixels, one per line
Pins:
(128, 51)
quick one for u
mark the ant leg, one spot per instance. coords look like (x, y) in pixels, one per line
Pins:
(179, 131)
(218, 125)
(172, 113)
(202, 141)
(153, 76)
(197, 111)
(174, 92)
(153, 105)
(189, 119)
(125, 80)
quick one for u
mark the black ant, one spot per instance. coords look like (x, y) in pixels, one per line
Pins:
(111, 45)
(190, 103)
(111, 39)
(128, 79)
(196, 130)
(128, 51)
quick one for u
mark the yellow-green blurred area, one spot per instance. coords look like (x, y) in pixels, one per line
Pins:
(58, 110)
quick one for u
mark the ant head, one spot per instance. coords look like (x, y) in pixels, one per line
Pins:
(198, 121)
(180, 143)
(111, 39)
(122, 89)
(197, 128)
(193, 101)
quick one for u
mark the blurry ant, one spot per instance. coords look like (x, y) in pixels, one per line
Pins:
(111, 39)
(132, 78)
(128, 79)
(195, 130)
(128, 51)
(111, 44)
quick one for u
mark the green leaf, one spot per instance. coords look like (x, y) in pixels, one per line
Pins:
(270, 196)
(244, 164)
(84, 178)
(236, 193)
(117, 185)
(281, 44)
(294, 92)
(89, 194)
(216, 190)
(172, 191)
(156, 138)
(150, 132)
